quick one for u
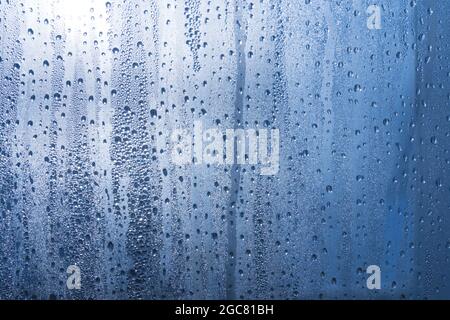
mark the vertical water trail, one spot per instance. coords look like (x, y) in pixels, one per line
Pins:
(240, 32)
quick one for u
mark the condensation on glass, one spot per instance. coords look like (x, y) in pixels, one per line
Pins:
(91, 92)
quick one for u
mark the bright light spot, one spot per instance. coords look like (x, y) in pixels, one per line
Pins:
(73, 8)
(80, 15)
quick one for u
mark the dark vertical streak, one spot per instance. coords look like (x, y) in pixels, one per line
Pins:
(240, 26)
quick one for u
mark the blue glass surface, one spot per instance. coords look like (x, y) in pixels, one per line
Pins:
(114, 123)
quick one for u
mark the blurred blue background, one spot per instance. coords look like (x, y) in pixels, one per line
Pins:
(91, 91)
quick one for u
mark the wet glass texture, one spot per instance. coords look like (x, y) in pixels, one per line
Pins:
(92, 92)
